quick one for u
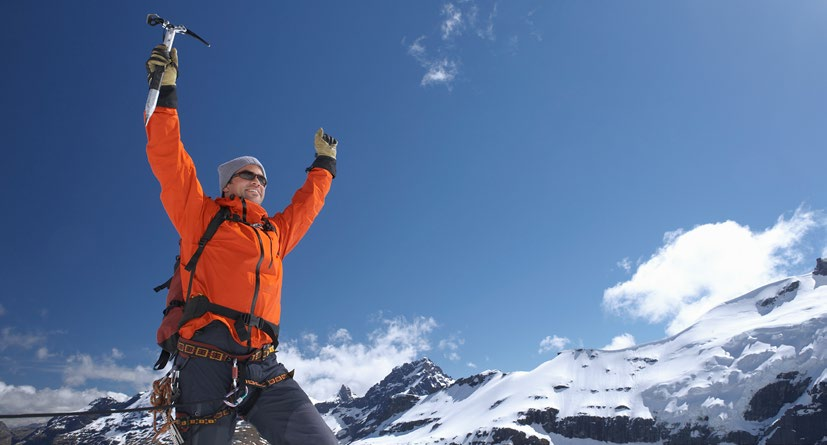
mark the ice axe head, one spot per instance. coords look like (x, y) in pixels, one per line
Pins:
(170, 30)
(154, 19)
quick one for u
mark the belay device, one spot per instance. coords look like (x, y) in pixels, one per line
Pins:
(155, 82)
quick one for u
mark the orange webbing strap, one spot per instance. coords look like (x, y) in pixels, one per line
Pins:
(273, 381)
(191, 348)
(187, 422)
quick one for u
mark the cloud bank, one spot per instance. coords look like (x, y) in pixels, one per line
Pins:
(710, 264)
(323, 369)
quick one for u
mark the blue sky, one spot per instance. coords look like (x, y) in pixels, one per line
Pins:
(515, 178)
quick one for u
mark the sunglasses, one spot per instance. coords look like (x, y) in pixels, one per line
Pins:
(248, 175)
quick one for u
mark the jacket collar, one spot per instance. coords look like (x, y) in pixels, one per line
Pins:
(249, 211)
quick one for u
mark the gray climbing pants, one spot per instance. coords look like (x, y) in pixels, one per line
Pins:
(282, 413)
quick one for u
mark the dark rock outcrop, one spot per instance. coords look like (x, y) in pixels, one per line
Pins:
(398, 392)
(769, 400)
(803, 424)
(821, 267)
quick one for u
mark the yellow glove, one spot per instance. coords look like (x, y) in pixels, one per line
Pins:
(161, 59)
(325, 144)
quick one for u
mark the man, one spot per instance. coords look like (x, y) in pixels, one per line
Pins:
(227, 364)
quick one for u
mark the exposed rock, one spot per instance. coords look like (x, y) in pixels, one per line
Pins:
(345, 394)
(821, 267)
(769, 400)
(514, 437)
(803, 424)
(398, 392)
(618, 429)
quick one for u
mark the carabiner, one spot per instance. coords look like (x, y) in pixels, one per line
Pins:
(233, 398)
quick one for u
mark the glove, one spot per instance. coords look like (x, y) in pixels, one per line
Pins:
(325, 144)
(161, 59)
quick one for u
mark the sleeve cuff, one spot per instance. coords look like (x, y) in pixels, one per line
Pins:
(326, 162)
(168, 97)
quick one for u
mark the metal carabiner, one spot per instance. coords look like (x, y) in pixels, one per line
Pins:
(233, 398)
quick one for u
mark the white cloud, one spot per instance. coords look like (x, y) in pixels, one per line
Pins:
(417, 48)
(625, 264)
(484, 30)
(341, 336)
(323, 371)
(28, 399)
(2, 310)
(553, 344)
(453, 24)
(310, 341)
(699, 269)
(440, 72)
(83, 367)
(9, 338)
(442, 63)
(42, 353)
(532, 27)
(450, 346)
(622, 341)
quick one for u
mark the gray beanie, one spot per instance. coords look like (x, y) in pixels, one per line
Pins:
(228, 169)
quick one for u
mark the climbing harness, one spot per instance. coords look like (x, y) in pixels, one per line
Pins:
(166, 391)
(191, 348)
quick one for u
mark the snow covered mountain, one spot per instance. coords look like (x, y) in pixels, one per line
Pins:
(751, 371)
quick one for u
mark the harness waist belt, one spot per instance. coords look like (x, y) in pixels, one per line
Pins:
(197, 349)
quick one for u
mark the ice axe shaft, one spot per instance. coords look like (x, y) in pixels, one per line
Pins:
(155, 81)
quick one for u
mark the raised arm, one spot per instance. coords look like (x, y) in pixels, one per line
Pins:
(308, 201)
(181, 193)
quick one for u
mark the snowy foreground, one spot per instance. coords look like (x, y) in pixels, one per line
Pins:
(751, 371)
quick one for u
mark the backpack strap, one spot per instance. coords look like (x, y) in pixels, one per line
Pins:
(222, 215)
(167, 283)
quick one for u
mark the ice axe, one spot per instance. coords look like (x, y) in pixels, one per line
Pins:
(155, 81)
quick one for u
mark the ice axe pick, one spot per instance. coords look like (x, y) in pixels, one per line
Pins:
(155, 81)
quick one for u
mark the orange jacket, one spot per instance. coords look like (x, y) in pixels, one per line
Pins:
(239, 255)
